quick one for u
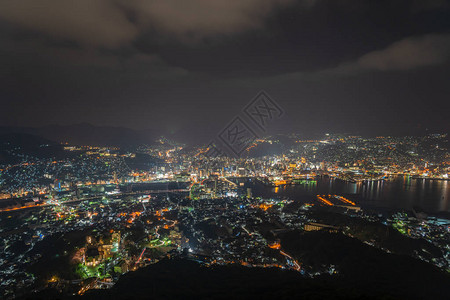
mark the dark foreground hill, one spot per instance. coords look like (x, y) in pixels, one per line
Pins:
(184, 279)
(87, 134)
(16, 146)
(367, 268)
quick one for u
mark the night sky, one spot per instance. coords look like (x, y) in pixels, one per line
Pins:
(188, 67)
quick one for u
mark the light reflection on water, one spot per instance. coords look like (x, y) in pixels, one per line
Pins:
(402, 192)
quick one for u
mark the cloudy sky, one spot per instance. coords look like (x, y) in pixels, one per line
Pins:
(189, 66)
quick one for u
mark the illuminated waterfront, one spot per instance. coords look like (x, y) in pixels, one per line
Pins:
(398, 193)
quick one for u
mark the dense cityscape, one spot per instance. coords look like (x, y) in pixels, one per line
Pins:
(80, 219)
(224, 149)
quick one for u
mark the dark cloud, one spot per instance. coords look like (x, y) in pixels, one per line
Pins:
(112, 23)
(406, 54)
(188, 66)
(300, 38)
(192, 20)
(409, 53)
(92, 22)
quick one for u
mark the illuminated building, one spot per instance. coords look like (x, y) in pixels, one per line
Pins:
(318, 226)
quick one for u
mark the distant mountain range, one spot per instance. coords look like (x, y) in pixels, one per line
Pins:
(14, 146)
(86, 134)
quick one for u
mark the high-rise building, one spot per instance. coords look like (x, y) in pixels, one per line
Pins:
(249, 193)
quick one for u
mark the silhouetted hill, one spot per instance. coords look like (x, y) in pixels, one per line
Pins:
(15, 146)
(87, 134)
(184, 279)
(367, 268)
(24, 141)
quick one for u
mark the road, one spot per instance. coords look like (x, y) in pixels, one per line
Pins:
(93, 198)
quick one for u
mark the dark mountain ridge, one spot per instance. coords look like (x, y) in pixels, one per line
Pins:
(87, 134)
